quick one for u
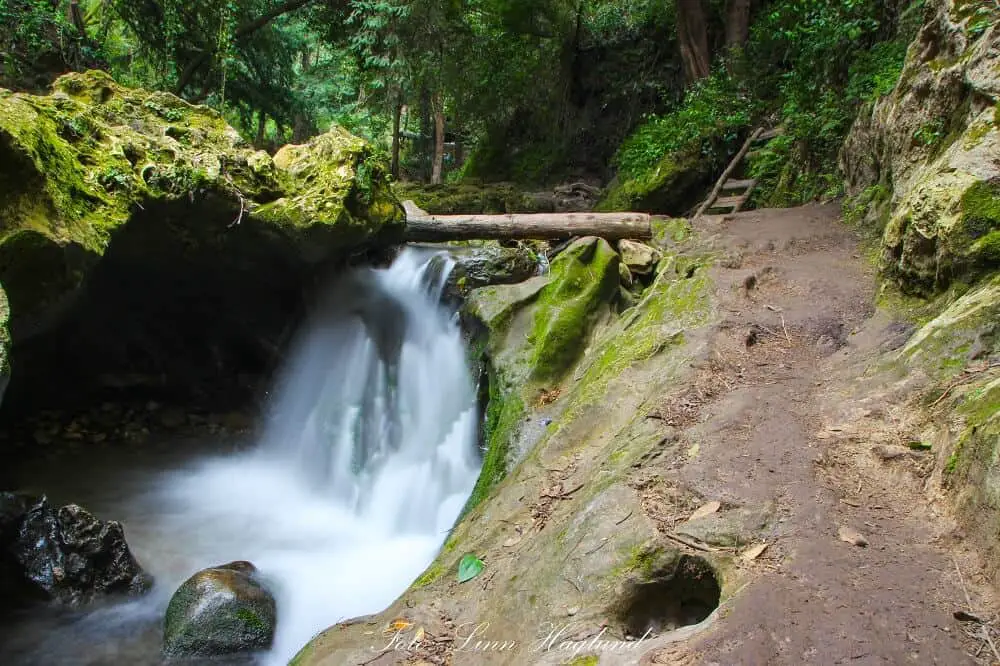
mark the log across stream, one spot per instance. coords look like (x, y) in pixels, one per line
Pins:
(424, 228)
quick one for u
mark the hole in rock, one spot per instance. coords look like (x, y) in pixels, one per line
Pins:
(681, 594)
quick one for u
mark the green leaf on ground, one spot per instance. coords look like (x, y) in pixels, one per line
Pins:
(469, 567)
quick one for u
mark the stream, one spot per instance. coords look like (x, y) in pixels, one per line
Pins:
(366, 458)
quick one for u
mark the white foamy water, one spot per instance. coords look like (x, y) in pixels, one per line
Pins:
(364, 466)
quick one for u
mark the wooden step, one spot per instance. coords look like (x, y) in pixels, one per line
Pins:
(738, 184)
(729, 202)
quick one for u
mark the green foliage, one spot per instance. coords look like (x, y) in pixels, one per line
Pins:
(807, 67)
(38, 42)
(713, 113)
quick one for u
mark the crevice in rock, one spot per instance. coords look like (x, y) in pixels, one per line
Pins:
(681, 594)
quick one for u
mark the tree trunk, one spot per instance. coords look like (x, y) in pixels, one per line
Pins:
(737, 23)
(261, 129)
(437, 171)
(424, 146)
(396, 113)
(436, 228)
(692, 34)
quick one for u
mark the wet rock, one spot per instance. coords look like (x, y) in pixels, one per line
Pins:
(218, 611)
(490, 264)
(66, 554)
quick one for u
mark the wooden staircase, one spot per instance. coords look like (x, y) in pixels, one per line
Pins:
(729, 195)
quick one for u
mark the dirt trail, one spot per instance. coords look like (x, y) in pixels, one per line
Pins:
(768, 417)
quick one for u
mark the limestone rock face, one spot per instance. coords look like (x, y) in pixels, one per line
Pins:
(218, 611)
(77, 165)
(923, 163)
(144, 244)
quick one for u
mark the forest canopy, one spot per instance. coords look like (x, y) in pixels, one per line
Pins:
(524, 90)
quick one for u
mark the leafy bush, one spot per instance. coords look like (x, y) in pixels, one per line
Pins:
(808, 66)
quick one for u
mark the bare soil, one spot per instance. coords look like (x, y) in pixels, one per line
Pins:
(783, 415)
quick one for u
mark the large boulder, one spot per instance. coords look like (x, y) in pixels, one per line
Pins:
(219, 611)
(923, 163)
(65, 555)
(156, 248)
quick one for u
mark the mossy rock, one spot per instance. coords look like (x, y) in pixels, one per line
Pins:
(585, 277)
(463, 198)
(969, 328)
(76, 166)
(669, 188)
(219, 611)
(921, 163)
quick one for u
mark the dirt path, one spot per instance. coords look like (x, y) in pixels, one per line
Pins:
(767, 418)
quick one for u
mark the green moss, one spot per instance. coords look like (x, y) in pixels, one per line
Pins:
(432, 573)
(503, 418)
(673, 304)
(641, 559)
(981, 209)
(448, 199)
(975, 134)
(663, 188)
(670, 231)
(251, 619)
(303, 656)
(584, 660)
(585, 278)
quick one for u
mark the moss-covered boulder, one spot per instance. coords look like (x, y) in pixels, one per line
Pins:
(670, 187)
(145, 244)
(923, 163)
(78, 165)
(220, 611)
(458, 198)
(585, 278)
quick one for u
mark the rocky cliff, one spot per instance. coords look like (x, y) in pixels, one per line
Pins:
(922, 163)
(145, 244)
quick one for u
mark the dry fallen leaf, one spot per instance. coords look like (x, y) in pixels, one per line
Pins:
(852, 536)
(751, 554)
(397, 625)
(513, 541)
(707, 510)
(418, 637)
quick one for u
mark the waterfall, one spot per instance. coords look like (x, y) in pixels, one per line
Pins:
(377, 406)
(367, 458)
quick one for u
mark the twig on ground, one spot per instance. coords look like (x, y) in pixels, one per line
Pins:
(689, 543)
(625, 518)
(969, 372)
(785, 329)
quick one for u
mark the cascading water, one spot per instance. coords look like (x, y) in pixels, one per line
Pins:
(365, 464)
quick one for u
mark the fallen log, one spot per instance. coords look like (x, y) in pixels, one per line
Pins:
(540, 226)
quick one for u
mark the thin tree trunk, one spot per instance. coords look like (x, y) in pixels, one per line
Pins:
(437, 170)
(692, 34)
(425, 143)
(397, 112)
(737, 22)
(261, 129)
(77, 17)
